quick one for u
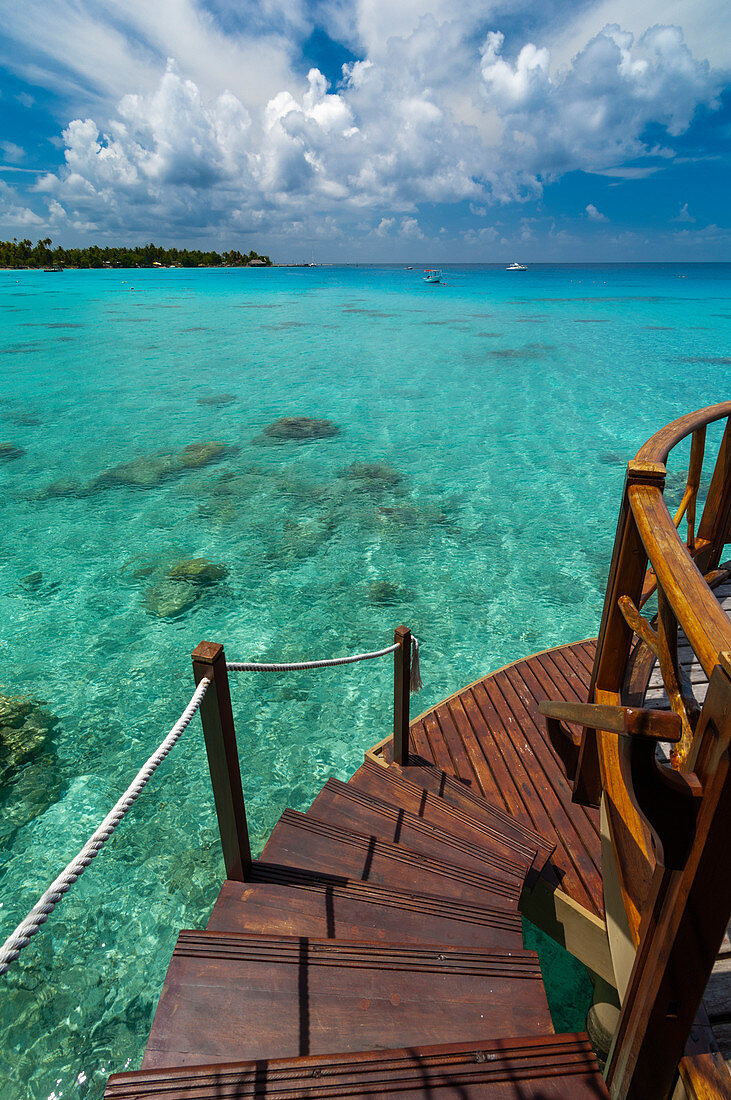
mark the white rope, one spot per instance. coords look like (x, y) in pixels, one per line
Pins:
(249, 666)
(253, 666)
(45, 905)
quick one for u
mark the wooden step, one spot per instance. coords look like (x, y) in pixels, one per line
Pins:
(470, 817)
(289, 901)
(559, 1067)
(302, 841)
(346, 804)
(454, 793)
(231, 997)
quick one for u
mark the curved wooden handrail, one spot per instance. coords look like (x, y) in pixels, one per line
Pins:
(659, 446)
(647, 534)
(695, 607)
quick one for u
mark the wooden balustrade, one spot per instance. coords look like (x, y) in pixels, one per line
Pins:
(668, 830)
(692, 485)
(663, 643)
(689, 911)
(220, 737)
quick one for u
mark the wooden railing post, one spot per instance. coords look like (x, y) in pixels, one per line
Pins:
(401, 692)
(223, 759)
(683, 931)
(626, 578)
(713, 528)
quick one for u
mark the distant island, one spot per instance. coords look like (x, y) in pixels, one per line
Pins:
(23, 254)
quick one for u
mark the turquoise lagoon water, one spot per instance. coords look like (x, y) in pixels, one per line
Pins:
(505, 406)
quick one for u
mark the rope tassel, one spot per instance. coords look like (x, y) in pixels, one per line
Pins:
(415, 683)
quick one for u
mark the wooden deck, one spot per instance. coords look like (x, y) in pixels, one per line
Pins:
(491, 737)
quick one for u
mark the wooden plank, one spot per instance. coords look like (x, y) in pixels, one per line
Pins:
(528, 780)
(572, 675)
(484, 778)
(344, 804)
(301, 841)
(481, 825)
(419, 741)
(556, 789)
(461, 760)
(536, 1068)
(520, 795)
(576, 832)
(585, 654)
(455, 794)
(493, 774)
(287, 901)
(536, 681)
(440, 750)
(303, 996)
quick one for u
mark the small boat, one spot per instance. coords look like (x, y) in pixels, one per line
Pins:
(516, 267)
(55, 267)
(432, 275)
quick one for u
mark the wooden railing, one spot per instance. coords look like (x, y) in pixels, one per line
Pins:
(668, 830)
(223, 760)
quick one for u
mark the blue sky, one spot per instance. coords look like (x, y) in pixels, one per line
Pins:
(363, 130)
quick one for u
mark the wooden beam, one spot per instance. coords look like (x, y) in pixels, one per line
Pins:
(714, 525)
(682, 933)
(223, 760)
(626, 578)
(401, 694)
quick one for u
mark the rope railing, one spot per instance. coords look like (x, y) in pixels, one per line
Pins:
(297, 666)
(45, 905)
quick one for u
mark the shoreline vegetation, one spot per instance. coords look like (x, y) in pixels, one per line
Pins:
(17, 254)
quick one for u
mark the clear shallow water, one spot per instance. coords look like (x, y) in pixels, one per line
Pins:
(507, 404)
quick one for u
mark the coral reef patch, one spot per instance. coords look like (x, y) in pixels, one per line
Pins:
(300, 429)
(9, 451)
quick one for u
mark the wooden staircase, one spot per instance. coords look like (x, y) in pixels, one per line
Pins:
(374, 949)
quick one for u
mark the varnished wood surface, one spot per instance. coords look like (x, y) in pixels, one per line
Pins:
(277, 996)
(299, 840)
(292, 902)
(656, 696)
(689, 596)
(341, 802)
(387, 916)
(659, 446)
(433, 799)
(560, 1067)
(492, 737)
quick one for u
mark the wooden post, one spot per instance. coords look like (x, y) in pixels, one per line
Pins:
(714, 525)
(626, 577)
(683, 931)
(223, 759)
(401, 692)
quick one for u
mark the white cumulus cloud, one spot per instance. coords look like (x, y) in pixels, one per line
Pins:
(438, 108)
